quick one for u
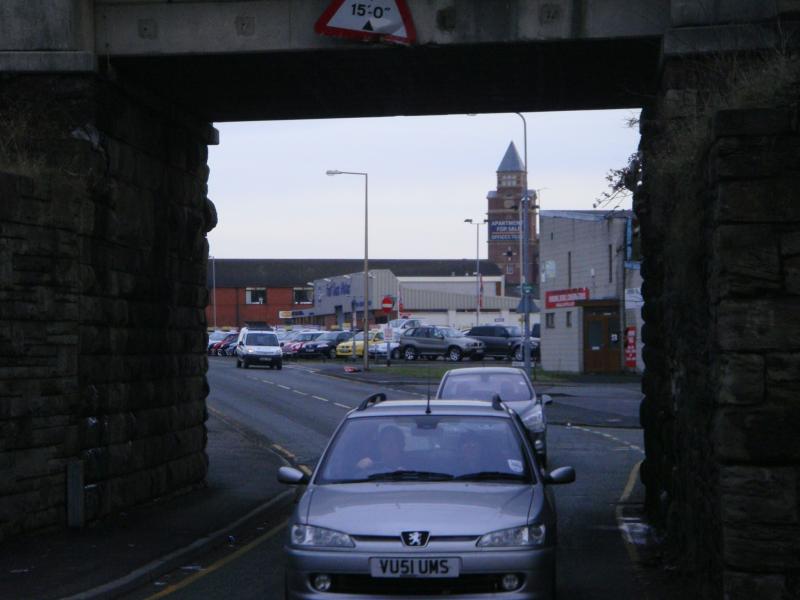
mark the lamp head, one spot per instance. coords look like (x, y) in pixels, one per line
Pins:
(467, 220)
(332, 172)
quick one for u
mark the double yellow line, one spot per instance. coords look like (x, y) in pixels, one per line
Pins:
(219, 564)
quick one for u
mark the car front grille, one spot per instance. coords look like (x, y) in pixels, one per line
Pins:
(390, 586)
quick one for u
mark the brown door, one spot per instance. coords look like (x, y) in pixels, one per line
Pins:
(601, 340)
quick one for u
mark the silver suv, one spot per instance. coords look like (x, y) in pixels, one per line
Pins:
(437, 498)
(431, 342)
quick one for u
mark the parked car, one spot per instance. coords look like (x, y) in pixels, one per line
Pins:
(230, 337)
(379, 350)
(514, 388)
(228, 349)
(326, 344)
(455, 498)
(434, 341)
(292, 347)
(346, 348)
(259, 348)
(214, 337)
(399, 326)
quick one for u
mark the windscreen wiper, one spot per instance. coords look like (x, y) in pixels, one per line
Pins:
(492, 476)
(403, 475)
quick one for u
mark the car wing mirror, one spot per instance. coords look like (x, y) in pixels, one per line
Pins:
(557, 476)
(292, 476)
(241, 343)
(547, 399)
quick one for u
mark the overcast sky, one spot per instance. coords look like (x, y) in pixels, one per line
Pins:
(426, 175)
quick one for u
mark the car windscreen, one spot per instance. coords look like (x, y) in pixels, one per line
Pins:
(426, 448)
(514, 331)
(510, 387)
(216, 336)
(329, 336)
(261, 339)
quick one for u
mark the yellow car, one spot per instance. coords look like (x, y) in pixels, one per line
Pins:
(346, 348)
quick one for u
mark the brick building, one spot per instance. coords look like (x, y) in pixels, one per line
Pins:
(252, 292)
(505, 240)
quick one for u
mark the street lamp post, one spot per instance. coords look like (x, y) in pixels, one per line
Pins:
(366, 258)
(477, 267)
(526, 343)
(214, 288)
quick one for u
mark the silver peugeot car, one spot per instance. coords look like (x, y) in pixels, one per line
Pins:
(424, 499)
(514, 388)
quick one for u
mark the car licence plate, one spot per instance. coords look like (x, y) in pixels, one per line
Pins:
(414, 567)
(265, 359)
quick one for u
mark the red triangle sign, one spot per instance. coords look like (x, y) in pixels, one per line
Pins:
(372, 20)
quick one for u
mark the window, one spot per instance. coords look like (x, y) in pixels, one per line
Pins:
(610, 263)
(255, 296)
(304, 295)
(509, 269)
(550, 320)
(508, 180)
(569, 318)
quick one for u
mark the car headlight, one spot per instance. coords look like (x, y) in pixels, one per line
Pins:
(250, 350)
(530, 535)
(534, 419)
(308, 535)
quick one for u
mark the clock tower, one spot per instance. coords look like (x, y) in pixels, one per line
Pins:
(505, 235)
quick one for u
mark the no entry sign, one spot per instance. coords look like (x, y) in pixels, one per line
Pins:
(387, 304)
(384, 20)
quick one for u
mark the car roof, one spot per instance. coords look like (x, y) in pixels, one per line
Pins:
(417, 406)
(485, 371)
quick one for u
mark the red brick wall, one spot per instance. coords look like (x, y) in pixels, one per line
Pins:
(232, 311)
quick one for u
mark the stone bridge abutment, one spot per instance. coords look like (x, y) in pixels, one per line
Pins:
(720, 218)
(103, 215)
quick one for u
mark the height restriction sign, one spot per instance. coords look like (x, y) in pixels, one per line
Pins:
(385, 20)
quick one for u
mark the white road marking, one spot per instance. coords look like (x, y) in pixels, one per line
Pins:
(342, 405)
(268, 381)
(299, 392)
(286, 387)
(321, 398)
(610, 437)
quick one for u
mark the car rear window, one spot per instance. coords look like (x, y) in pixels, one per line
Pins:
(426, 448)
(510, 387)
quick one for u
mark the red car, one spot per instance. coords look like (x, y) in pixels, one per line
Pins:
(216, 349)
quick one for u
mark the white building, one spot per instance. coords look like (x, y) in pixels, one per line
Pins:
(590, 284)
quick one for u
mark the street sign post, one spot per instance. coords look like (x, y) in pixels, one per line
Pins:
(369, 20)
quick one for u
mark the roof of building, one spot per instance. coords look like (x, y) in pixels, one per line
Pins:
(586, 215)
(291, 272)
(511, 161)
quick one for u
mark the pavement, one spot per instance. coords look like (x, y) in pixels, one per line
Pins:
(125, 551)
(128, 549)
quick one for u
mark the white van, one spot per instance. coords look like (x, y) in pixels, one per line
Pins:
(258, 347)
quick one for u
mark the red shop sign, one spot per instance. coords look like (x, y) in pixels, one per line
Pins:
(563, 298)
